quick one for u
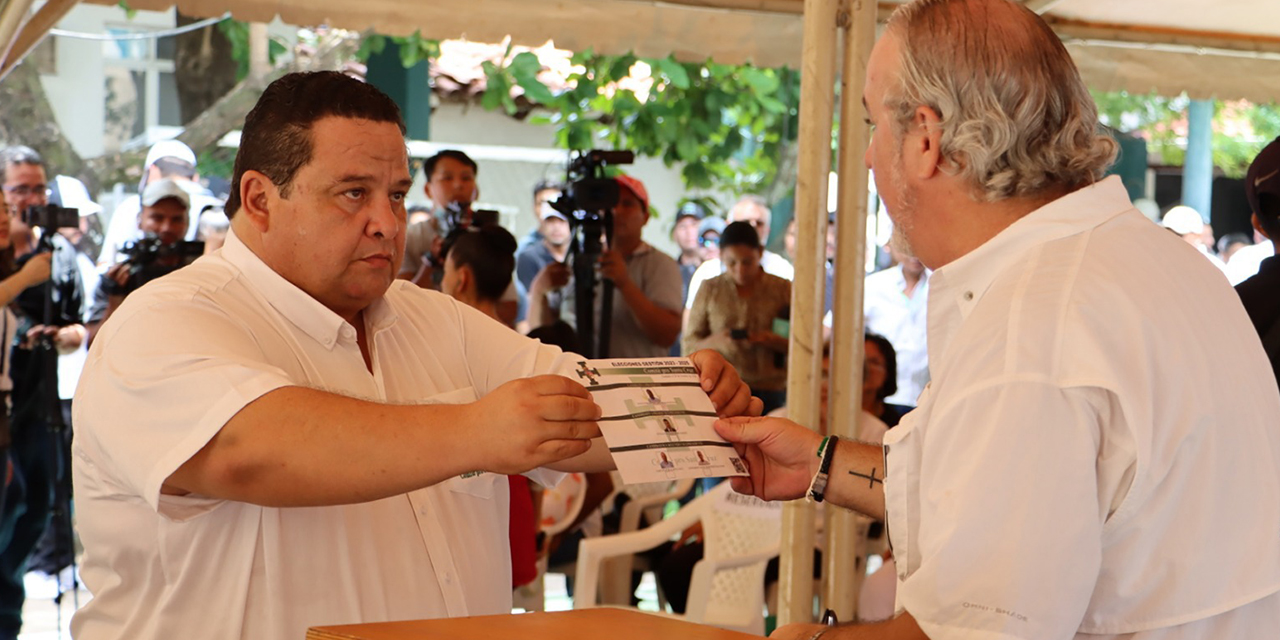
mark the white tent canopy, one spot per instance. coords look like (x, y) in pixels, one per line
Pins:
(1204, 47)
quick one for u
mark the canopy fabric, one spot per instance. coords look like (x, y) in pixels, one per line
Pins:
(1207, 48)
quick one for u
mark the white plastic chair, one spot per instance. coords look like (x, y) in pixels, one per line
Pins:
(561, 505)
(740, 534)
(644, 507)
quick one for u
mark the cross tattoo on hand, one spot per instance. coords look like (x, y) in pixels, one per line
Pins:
(872, 479)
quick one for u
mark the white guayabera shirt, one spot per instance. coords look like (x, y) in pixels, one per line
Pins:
(179, 359)
(1097, 453)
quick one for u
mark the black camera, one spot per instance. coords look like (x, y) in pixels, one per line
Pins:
(590, 192)
(455, 222)
(588, 204)
(149, 258)
(51, 216)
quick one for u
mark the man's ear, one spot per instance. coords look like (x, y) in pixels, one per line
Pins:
(1257, 226)
(924, 139)
(257, 195)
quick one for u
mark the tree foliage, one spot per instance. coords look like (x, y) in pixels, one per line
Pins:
(1240, 129)
(728, 126)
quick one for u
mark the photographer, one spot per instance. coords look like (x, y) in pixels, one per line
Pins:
(645, 318)
(451, 186)
(160, 250)
(29, 499)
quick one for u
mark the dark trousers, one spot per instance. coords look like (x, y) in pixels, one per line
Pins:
(56, 549)
(27, 503)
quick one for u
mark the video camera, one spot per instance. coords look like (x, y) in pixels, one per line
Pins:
(51, 217)
(455, 222)
(588, 204)
(590, 193)
(149, 258)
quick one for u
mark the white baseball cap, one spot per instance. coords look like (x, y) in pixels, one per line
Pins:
(1183, 220)
(169, 149)
(162, 189)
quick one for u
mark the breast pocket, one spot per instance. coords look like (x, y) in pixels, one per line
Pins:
(902, 452)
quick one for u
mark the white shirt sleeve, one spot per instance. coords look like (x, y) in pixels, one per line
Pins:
(1007, 511)
(168, 377)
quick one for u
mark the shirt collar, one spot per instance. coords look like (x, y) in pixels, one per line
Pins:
(971, 274)
(295, 305)
(956, 287)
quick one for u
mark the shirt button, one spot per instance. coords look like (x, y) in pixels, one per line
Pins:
(968, 296)
(447, 578)
(348, 333)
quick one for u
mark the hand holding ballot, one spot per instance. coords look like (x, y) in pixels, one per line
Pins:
(657, 414)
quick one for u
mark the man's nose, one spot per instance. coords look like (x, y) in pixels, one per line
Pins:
(383, 221)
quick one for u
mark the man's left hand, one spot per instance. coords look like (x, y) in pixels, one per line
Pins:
(730, 395)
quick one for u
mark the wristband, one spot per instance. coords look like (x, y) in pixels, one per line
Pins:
(826, 450)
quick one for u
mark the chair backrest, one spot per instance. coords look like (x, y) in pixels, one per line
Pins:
(562, 503)
(734, 526)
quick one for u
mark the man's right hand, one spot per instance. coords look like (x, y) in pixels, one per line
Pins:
(781, 456)
(532, 422)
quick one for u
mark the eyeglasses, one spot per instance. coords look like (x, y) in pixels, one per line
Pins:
(708, 242)
(24, 190)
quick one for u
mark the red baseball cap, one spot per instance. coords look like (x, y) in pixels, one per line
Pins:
(635, 187)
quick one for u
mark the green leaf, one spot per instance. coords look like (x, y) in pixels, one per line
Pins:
(675, 71)
(525, 68)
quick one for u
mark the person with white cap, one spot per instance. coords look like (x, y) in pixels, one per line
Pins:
(164, 220)
(1186, 223)
(170, 159)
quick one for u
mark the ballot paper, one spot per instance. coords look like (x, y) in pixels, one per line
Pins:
(657, 420)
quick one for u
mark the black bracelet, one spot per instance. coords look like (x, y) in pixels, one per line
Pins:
(818, 488)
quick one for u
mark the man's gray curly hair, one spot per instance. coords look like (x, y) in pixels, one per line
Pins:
(1016, 118)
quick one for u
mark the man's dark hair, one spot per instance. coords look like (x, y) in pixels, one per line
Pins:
(543, 185)
(18, 154)
(276, 138)
(171, 167)
(429, 166)
(739, 234)
(890, 385)
(490, 252)
(1269, 214)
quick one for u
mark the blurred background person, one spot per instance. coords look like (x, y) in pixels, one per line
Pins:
(167, 159)
(645, 317)
(734, 313)
(879, 381)
(896, 306)
(709, 231)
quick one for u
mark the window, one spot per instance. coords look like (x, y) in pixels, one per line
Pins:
(140, 89)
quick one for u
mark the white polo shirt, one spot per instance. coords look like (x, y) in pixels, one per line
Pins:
(1097, 453)
(188, 351)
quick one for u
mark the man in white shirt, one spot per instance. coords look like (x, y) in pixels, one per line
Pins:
(753, 211)
(1096, 453)
(327, 449)
(896, 304)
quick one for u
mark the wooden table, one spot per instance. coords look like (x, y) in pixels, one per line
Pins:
(589, 624)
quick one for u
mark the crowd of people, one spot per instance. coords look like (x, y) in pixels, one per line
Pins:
(317, 378)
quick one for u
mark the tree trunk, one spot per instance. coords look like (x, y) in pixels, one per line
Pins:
(27, 119)
(204, 68)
